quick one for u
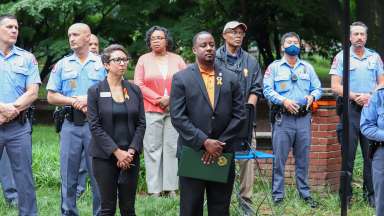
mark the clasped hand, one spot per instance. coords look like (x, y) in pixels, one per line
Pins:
(80, 103)
(163, 102)
(7, 113)
(293, 107)
(362, 99)
(214, 148)
(124, 158)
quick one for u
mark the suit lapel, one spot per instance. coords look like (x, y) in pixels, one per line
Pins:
(197, 75)
(219, 81)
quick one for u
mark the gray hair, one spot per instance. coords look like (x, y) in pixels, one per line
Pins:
(358, 23)
(7, 16)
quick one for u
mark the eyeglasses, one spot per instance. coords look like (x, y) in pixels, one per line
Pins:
(240, 33)
(119, 60)
(157, 38)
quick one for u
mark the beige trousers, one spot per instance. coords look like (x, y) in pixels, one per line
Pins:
(160, 145)
(247, 175)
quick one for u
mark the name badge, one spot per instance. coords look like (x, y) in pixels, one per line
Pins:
(105, 94)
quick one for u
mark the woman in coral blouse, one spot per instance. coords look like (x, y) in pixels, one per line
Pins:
(153, 74)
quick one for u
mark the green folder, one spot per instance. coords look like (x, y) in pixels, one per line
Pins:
(190, 165)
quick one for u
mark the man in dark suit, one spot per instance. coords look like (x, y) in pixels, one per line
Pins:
(207, 110)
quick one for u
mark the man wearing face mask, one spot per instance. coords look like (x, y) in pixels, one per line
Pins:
(366, 73)
(291, 85)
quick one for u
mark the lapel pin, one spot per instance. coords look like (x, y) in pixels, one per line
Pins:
(219, 80)
(125, 91)
(245, 72)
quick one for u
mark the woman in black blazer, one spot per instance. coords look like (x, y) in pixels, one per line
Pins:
(117, 122)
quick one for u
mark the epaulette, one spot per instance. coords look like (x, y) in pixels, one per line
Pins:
(68, 54)
(370, 50)
(276, 61)
(19, 49)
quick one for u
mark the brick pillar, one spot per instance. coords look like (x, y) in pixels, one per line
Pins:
(325, 152)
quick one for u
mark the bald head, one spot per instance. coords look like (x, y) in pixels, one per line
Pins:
(79, 35)
(82, 27)
(94, 44)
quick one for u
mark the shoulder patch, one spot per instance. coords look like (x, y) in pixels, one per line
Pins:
(54, 68)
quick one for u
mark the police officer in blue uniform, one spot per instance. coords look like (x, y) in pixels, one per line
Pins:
(19, 86)
(82, 181)
(67, 86)
(366, 72)
(372, 127)
(7, 181)
(291, 85)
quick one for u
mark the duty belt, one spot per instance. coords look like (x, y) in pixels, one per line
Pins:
(373, 146)
(76, 116)
(377, 144)
(303, 111)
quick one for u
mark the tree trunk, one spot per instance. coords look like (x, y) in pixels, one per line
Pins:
(264, 45)
(370, 12)
(335, 17)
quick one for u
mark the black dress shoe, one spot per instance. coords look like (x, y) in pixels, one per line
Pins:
(311, 202)
(277, 201)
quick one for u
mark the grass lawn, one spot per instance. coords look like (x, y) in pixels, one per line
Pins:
(46, 173)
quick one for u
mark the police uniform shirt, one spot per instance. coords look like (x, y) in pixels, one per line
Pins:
(18, 70)
(372, 117)
(281, 82)
(364, 72)
(71, 78)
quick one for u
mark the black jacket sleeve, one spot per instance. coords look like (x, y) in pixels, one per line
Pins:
(99, 135)
(257, 79)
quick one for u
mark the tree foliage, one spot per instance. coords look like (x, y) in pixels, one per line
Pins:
(44, 23)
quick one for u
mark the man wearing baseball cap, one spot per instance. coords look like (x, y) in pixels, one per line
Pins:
(247, 69)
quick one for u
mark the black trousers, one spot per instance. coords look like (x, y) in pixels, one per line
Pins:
(218, 195)
(113, 182)
(355, 137)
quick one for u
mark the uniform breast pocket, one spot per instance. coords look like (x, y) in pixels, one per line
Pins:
(20, 76)
(95, 76)
(283, 83)
(304, 81)
(69, 82)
